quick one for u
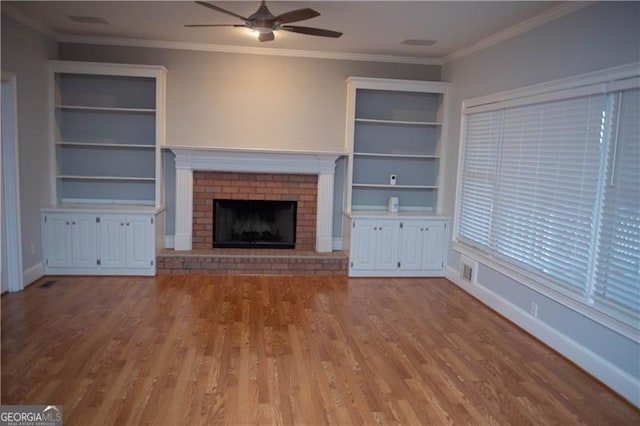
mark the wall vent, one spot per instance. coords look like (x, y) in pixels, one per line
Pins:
(468, 269)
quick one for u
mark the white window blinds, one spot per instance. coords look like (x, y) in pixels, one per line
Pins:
(617, 277)
(478, 177)
(550, 186)
(545, 203)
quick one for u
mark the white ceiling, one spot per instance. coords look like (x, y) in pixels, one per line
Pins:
(369, 27)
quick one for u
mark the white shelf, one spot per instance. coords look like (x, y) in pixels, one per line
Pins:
(98, 208)
(377, 154)
(105, 145)
(112, 109)
(398, 122)
(372, 211)
(375, 185)
(107, 178)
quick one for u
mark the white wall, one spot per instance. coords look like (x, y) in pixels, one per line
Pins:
(599, 36)
(25, 52)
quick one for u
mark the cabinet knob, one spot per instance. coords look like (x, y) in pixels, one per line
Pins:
(67, 223)
(422, 229)
(127, 223)
(426, 229)
(375, 229)
(121, 223)
(73, 223)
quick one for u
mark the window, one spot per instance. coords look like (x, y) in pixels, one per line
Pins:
(549, 186)
(617, 268)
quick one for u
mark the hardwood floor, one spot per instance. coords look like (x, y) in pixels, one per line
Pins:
(200, 350)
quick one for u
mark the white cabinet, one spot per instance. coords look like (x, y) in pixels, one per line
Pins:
(70, 239)
(374, 245)
(423, 245)
(126, 241)
(99, 242)
(392, 245)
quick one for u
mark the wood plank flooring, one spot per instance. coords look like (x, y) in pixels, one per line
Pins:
(235, 350)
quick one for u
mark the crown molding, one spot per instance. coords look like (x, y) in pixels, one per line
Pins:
(315, 54)
(552, 14)
(31, 23)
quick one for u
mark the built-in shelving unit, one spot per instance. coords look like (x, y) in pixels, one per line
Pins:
(394, 127)
(107, 213)
(108, 128)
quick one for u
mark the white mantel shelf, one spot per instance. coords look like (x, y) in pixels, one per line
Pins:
(254, 160)
(190, 159)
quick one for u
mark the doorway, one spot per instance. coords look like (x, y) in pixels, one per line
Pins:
(10, 238)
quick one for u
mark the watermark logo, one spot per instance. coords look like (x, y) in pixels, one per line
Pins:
(30, 415)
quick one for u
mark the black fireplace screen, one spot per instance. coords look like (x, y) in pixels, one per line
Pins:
(254, 224)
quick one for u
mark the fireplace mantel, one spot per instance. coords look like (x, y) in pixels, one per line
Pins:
(189, 159)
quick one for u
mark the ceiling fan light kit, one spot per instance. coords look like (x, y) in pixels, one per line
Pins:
(264, 23)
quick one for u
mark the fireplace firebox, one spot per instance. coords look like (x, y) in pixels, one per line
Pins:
(254, 224)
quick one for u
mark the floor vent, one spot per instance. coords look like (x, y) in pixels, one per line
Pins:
(468, 269)
(47, 284)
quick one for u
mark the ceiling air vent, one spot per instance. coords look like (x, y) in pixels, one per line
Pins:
(88, 19)
(418, 42)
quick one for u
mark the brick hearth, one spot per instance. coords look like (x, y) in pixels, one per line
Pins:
(253, 186)
(261, 261)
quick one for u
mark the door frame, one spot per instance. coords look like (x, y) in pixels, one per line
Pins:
(11, 182)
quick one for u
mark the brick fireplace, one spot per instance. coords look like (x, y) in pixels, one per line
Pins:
(208, 186)
(204, 173)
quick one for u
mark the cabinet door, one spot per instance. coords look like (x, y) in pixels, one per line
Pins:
(140, 247)
(411, 238)
(58, 240)
(112, 241)
(363, 244)
(85, 241)
(434, 245)
(388, 245)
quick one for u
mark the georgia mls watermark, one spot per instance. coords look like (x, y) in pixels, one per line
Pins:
(30, 415)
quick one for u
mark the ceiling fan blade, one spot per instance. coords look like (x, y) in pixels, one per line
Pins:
(297, 15)
(219, 9)
(212, 25)
(311, 31)
(266, 36)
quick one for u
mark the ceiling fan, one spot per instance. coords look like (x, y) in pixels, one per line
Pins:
(265, 23)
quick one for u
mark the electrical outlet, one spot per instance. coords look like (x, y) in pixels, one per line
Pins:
(534, 309)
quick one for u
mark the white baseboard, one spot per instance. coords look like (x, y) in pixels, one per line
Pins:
(618, 380)
(31, 274)
(337, 244)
